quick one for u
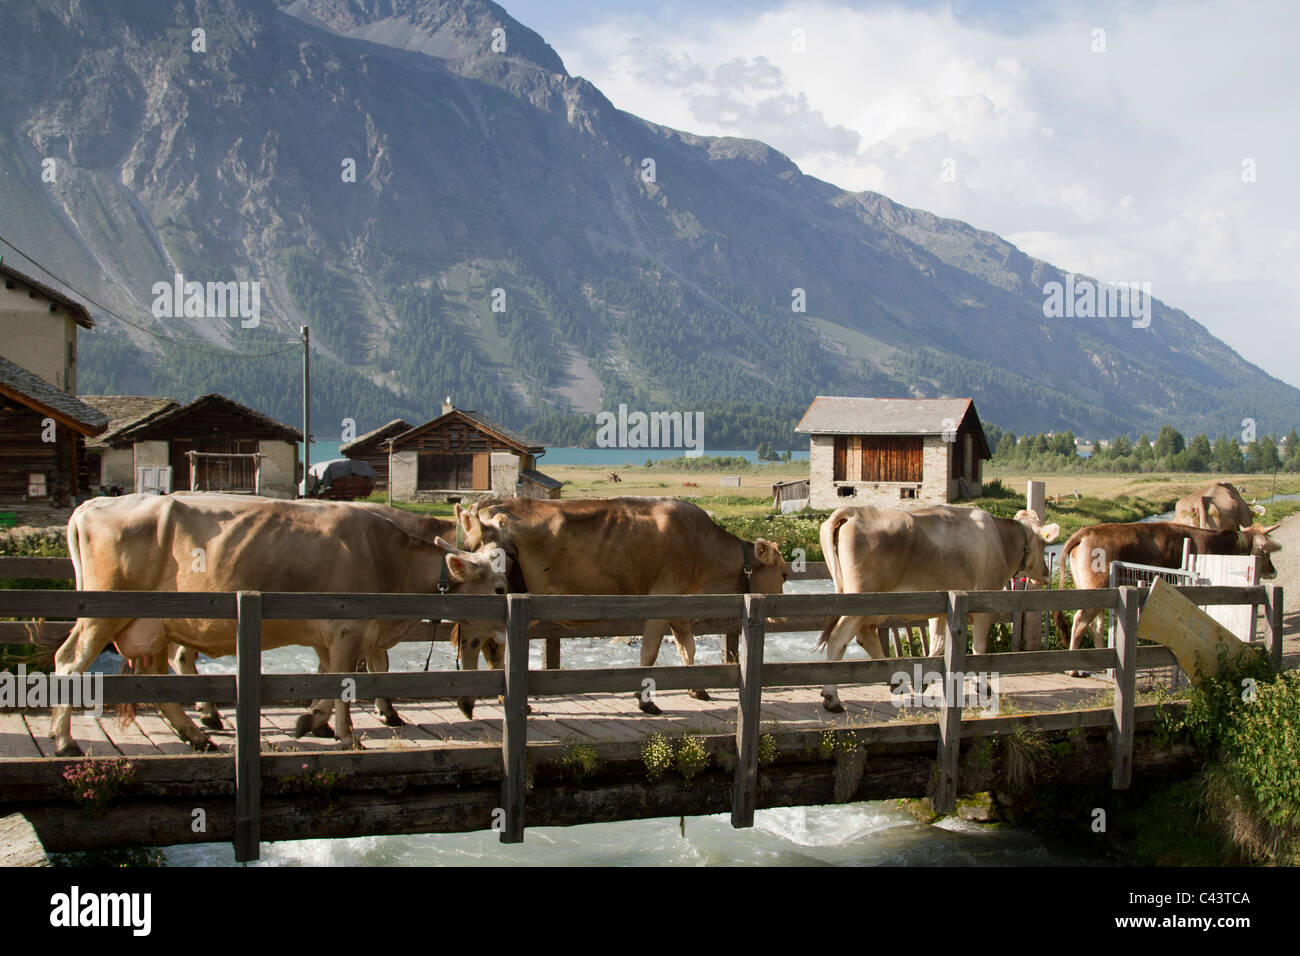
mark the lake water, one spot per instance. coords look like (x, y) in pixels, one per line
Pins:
(860, 834)
(600, 457)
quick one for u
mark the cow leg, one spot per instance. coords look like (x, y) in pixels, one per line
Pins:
(841, 634)
(377, 663)
(78, 651)
(344, 655)
(185, 661)
(939, 636)
(1084, 620)
(685, 638)
(651, 639)
(494, 652)
(322, 667)
(174, 714)
(981, 624)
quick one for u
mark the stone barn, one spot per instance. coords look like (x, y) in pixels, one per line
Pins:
(893, 452)
(463, 456)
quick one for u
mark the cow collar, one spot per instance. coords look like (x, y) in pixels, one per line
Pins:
(747, 565)
(1243, 542)
(1024, 559)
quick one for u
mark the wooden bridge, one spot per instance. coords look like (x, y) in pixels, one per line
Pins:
(579, 756)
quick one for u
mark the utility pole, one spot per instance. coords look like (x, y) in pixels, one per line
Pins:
(306, 406)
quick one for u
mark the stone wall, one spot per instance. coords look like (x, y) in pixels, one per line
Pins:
(935, 488)
(279, 467)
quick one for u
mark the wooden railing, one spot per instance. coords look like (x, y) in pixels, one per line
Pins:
(249, 688)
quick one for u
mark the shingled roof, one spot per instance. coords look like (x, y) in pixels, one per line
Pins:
(394, 428)
(140, 429)
(31, 390)
(834, 415)
(125, 411)
(79, 311)
(509, 436)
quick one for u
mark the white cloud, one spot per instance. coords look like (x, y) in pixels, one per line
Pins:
(1124, 164)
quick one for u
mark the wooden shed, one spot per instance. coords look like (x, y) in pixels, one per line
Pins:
(42, 440)
(892, 452)
(372, 448)
(461, 456)
(210, 444)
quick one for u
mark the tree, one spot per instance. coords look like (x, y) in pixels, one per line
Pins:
(1169, 442)
(1227, 455)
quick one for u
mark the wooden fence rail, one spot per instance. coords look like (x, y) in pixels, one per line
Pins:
(249, 688)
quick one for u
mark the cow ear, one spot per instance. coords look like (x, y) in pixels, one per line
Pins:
(466, 519)
(765, 551)
(457, 567)
(1049, 532)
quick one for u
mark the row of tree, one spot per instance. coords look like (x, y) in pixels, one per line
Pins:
(1170, 451)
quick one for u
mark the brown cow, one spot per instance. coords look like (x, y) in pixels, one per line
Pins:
(1217, 507)
(622, 546)
(234, 543)
(1090, 551)
(940, 548)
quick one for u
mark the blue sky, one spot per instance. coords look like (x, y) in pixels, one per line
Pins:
(1150, 141)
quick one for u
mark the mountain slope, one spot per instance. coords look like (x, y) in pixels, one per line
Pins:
(489, 178)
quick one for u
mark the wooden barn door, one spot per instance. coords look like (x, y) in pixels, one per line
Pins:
(483, 472)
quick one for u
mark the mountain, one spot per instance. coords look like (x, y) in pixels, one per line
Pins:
(492, 177)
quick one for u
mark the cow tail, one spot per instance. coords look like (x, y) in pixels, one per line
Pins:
(1070, 545)
(830, 534)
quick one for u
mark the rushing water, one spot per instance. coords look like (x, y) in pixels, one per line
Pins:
(860, 834)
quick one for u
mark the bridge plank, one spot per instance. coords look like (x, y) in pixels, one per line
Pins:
(16, 738)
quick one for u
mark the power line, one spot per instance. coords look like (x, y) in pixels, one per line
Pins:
(136, 325)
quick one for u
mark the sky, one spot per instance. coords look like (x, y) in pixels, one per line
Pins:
(1140, 142)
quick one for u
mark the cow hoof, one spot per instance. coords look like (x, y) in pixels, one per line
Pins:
(71, 750)
(305, 726)
(212, 723)
(833, 708)
(1079, 673)
(203, 746)
(650, 707)
(393, 720)
(466, 705)
(324, 730)
(699, 693)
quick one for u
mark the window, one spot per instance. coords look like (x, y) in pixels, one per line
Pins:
(907, 493)
(36, 487)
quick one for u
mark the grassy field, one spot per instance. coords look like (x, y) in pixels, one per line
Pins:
(747, 510)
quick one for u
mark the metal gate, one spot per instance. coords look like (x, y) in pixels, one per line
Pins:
(1123, 574)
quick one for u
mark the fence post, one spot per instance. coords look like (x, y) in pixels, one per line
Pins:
(552, 661)
(1125, 687)
(748, 710)
(248, 725)
(1275, 612)
(954, 688)
(514, 730)
(1017, 623)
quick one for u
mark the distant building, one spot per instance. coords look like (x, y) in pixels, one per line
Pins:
(462, 456)
(38, 328)
(372, 447)
(893, 452)
(211, 444)
(42, 440)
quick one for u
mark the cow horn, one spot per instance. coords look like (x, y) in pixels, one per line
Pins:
(449, 548)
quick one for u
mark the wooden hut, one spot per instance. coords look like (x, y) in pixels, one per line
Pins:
(42, 440)
(461, 456)
(372, 448)
(893, 452)
(211, 444)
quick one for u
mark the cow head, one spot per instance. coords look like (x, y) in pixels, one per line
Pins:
(770, 570)
(1257, 539)
(482, 571)
(1036, 536)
